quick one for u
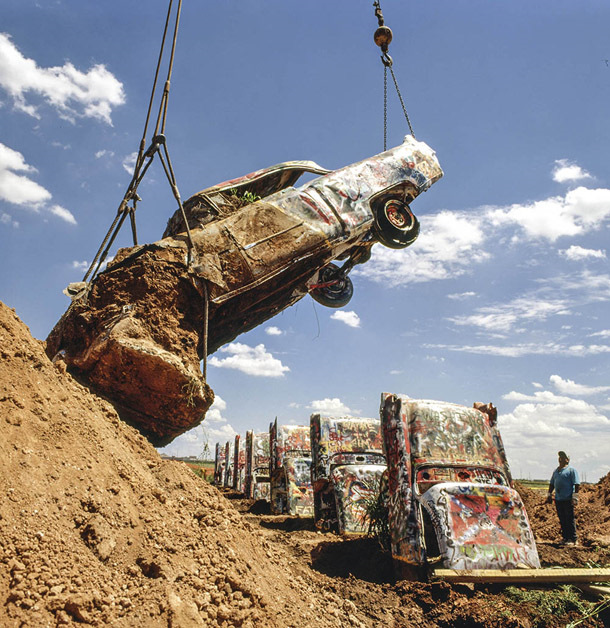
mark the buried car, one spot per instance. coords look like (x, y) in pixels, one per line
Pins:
(254, 246)
(256, 481)
(450, 494)
(290, 470)
(346, 470)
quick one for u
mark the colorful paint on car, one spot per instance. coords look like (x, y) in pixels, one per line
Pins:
(239, 463)
(256, 481)
(347, 464)
(228, 475)
(449, 487)
(219, 465)
(290, 470)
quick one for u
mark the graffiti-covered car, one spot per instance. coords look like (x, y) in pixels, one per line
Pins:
(256, 481)
(450, 489)
(219, 465)
(228, 474)
(347, 465)
(254, 246)
(290, 470)
(239, 463)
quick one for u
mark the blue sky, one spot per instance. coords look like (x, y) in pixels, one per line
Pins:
(504, 297)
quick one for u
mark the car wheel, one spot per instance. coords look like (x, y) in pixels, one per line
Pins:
(334, 289)
(395, 224)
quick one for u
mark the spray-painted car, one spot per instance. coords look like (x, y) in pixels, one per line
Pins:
(256, 246)
(219, 465)
(450, 488)
(239, 463)
(347, 465)
(228, 474)
(290, 470)
(256, 481)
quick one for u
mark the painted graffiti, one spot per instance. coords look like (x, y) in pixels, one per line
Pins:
(347, 463)
(450, 489)
(290, 470)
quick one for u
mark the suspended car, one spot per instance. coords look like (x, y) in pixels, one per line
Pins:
(255, 246)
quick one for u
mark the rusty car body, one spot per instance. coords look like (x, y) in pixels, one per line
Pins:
(290, 470)
(256, 480)
(450, 489)
(347, 465)
(255, 246)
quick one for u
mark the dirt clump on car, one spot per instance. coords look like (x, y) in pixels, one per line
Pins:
(97, 529)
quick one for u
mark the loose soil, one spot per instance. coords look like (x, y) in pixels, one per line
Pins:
(96, 529)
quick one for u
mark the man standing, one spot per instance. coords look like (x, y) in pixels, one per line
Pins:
(566, 485)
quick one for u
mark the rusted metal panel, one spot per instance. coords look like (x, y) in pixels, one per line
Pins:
(256, 484)
(450, 489)
(290, 470)
(347, 464)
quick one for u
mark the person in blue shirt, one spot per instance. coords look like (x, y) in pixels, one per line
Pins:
(566, 485)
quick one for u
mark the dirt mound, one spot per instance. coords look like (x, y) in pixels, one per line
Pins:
(97, 529)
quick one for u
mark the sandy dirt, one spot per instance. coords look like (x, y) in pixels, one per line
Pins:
(96, 529)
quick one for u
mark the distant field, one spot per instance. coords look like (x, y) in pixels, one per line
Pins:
(537, 485)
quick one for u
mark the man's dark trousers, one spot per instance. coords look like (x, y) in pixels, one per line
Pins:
(565, 512)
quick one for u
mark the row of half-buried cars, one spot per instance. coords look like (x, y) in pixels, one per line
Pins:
(439, 467)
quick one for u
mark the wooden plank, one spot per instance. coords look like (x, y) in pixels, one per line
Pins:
(554, 575)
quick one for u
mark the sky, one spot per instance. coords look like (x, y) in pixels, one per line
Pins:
(505, 295)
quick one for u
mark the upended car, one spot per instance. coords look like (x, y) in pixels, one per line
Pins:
(450, 494)
(254, 246)
(346, 470)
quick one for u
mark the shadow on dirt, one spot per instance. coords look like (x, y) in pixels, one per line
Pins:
(363, 558)
(288, 524)
(260, 507)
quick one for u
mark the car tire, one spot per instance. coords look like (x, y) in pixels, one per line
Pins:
(337, 294)
(395, 224)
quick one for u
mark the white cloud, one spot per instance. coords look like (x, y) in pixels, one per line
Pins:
(540, 396)
(69, 91)
(577, 253)
(351, 319)
(63, 213)
(19, 189)
(569, 387)
(129, 163)
(580, 211)
(534, 432)
(520, 350)
(104, 153)
(566, 171)
(605, 333)
(461, 296)
(329, 407)
(273, 331)
(450, 242)
(250, 360)
(84, 265)
(7, 219)
(503, 317)
(396, 372)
